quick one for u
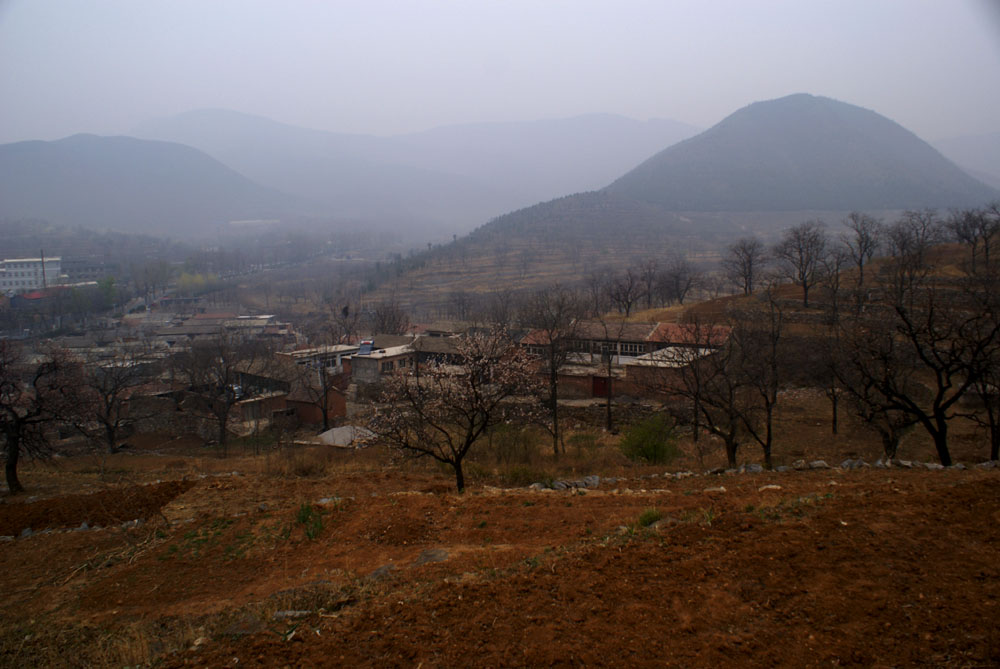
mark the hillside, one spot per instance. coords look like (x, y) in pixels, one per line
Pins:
(979, 155)
(763, 169)
(450, 178)
(802, 152)
(130, 185)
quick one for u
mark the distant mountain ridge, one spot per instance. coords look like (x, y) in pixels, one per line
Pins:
(454, 177)
(131, 185)
(801, 152)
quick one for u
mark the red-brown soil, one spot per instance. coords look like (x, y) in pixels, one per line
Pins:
(869, 568)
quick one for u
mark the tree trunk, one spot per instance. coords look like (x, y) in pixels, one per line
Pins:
(110, 435)
(834, 402)
(890, 445)
(731, 447)
(459, 475)
(608, 404)
(941, 444)
(10, 468)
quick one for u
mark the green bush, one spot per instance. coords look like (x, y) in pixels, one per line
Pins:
(649, 516)
(311, 519)
(653, 440)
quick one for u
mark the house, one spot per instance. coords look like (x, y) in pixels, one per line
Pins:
(369, 363)
(640, 353)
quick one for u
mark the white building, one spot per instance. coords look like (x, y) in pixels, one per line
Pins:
(18, 275)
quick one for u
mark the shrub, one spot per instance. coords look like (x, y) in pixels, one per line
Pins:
(311, 520)
(653, 440)
(649, 516)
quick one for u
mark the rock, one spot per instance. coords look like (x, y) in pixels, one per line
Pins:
(768, 487)
(263, 507)
(537, 486)
(683, 475)
(733, 471)
(560, 485)
(782, 469)
(716, 489)
(717, 470)
(818, 464)
(26, 532)
(958, 465)
(933, 466)
(799, 465)
(201, 641)
(5, 538)
(245, 626)
(592, 481)
(989, 464)
(290, 615)
(905, 464)
(882, 464)
(382, 572)
(754, 468)
(83, 526)
(431, 555)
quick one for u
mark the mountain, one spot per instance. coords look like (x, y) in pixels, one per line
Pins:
(979, 155)
(801, 152)
(761, 170)
(452, 177)
(132, 185)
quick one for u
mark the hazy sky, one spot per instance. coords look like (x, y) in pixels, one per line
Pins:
(69, 66)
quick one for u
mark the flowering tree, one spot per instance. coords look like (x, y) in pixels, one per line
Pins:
(442, 411)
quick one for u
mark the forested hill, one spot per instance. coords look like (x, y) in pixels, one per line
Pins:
(802, 152)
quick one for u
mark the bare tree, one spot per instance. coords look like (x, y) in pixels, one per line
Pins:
(757, 334)
(649, 273)
(624, 291)
(33, 394)
(924, 347)
(554, 314)
(745, 262)
(862, 240)
(214, 370)
(677, 279)
(977, 229)
(443, 412)
(800, 253)
(103, 412)
(389, 318)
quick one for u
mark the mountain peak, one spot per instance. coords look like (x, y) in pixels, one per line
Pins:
(801, 152)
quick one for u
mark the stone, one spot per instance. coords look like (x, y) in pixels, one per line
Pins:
(559, 485)
(245, 626)
(905, 464)
(26, 532)
(538, 485)
(431, 555)
(768, 487)
(958, 465)
(818, 464)
(989, 464)
(716, 489)
(782, 469)
(933, 466)
(382, 572)
(5, 538)
(717, 470)
(290, 615)
(799, 465)
(592, 481)
(754, 468)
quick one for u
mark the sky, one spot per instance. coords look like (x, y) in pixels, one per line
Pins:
(381, 67)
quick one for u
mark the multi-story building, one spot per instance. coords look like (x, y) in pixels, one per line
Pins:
(18, 275)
